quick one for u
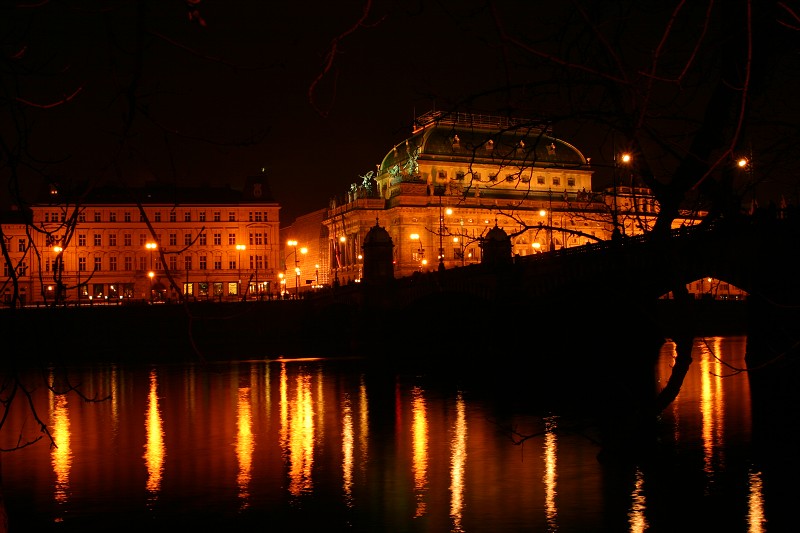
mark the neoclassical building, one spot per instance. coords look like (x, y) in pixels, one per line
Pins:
(439, 193)
(154, 243)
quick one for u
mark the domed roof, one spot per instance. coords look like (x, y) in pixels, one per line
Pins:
(485, 139)
(377, 235)
(496, 234)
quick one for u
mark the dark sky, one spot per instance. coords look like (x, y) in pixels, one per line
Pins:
(221, 87)
(241, 74)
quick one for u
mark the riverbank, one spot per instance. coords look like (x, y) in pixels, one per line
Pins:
(197, 331)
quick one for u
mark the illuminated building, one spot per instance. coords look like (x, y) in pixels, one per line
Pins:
(457, 176)
(149, 244)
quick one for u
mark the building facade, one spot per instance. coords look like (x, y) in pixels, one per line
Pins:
(457, 176)
(151, 244)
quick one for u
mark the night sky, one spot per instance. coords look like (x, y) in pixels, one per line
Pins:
(226, 93)
(222, 87)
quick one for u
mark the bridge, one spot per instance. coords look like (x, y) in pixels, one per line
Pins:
(586, 290)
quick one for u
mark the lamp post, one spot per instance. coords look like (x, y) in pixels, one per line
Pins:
(625, 158)
(420, 250)
(241, 247)
(57, 271)
(303, 251)
(150, 247)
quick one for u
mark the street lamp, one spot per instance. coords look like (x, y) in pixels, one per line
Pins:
(241, 247)
(58, 271)
(625, 158)
(151, 275)
(303, 251)
(151, 246)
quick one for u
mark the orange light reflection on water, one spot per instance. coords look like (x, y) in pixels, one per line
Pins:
(61, 453)
(245, 443)
(458, 463)
(419, 464)
(155, 450)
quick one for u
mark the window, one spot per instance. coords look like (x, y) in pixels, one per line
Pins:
(510, 177)
(98, 263)
(525, 178)
(492, 177)
(173, 239)
(442, 174)
(173, 216)
(112, 263)
(203, 239)
(142, 263)
(232, 264)
(82, 264)
(142, 239)
(202, 215)
(128, 261)
(231, 239)
(126, 239)
(556, 181)
(47, 265)
(460, 175)
(218, 239)
(259, 261)
(203, 265)
(258, 216)
(112, 216)
(217, 217)
(187, 216)
(476, 176)
(97, 239)
(112, 239)
(187, 239)
(157, 216)
(217, 263)
(187, 262)
(127, 216)
(81, 217)
(22, 244)
(231, 216)
(98, 216)
(571, 182)
(173, 262)
(539, 180)
(256, 239)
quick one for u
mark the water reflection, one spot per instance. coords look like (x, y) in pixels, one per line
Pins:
(61, 452)
(419, 439)
(636, 516)
(458, 463)
(154, 449)
(550, 472)
(244, 444)
(298, 426)
(328, 445)
(755, 516)
(347, 450)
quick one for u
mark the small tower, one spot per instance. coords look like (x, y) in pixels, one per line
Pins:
(496, 247)
(378, 256)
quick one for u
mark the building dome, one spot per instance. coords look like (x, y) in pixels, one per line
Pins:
(496, 246)
(377, 235)
(468, 138)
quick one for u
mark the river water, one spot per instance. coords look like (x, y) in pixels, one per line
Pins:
(336, 445)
